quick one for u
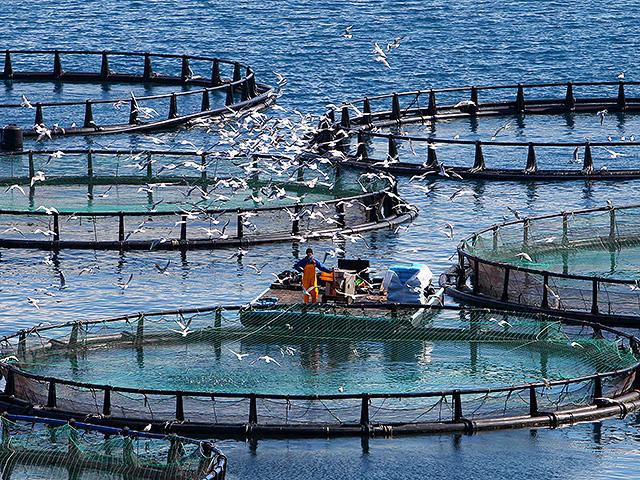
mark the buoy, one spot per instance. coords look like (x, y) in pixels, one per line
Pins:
(11, 138)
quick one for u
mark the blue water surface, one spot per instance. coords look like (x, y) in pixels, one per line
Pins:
(455, 43)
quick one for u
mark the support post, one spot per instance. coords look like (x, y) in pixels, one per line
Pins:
(88, 115)
(173, 106)
(457, 406)
(597, 387)
(148, 72)
(134, 117)
(473, 109)
(104, 67)
(532, 165)
(239, 221)
(216, 80)
(253, 409)
(393, 149)
(56, 227)
(505, 286)
(594, 297)
(179, 407)
(57, 65)
(432, 109)
(533, 401)
(366, 110)
(545, 291)
(588, 159)
(120, 226)
(183, 228)
(244, 91)
(185, 72)
(340, 214)
(520, 99)
(569, 101)
(364, 410)
(432, 158)
(51, 396)
(206, 105)
(8, 67)
(295, 224)
(229, 100)
(345, 121)
(621, 104)
(39, 117)
(106, 403)
(237, 75)
(361, 152)
(478, 163)
(395, 107)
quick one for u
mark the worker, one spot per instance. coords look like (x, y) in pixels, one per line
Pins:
(307, 266)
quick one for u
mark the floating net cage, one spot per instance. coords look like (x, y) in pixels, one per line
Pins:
(322, 370)
(124, 200)
(355, 135)
(33, 447)
(583, 263)
(208, 87)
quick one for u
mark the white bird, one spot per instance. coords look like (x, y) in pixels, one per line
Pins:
(240, 356)
(501, 322)
(267, 359)
(47, 210)
(39, 176)
(46, 233)
(163, 270)
(524, 256)
(184, 327)
(281, 79)
(462, 191)
(382, 59)
(395, 44)
(63, 281)
(15, 187)
(465, 104)
(504, 127)
(125, 285)
(34, 302)
(621, 76)
(258, 270)
(378, 50)
(26, 103)
(575, 158)
(13, 229)
(601, 114)
(615, 154)
(347, 32)
(450, 232)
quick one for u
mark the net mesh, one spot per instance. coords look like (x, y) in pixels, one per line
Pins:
(50, 449)
(316, 365)
(585, 261)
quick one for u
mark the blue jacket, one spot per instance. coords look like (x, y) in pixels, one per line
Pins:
(299, 266)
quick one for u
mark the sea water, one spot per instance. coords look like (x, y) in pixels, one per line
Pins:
(445, 44)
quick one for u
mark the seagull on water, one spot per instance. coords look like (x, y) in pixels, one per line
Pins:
(347, 32)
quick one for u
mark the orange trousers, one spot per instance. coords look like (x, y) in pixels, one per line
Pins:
(309, 280)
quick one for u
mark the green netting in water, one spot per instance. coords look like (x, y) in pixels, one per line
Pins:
(316, 365)
(601, 242)
(45, 451)
(303, 349)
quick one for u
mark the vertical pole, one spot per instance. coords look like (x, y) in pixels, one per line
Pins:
(140, 330)
(570, 101)
(525, 231)
(432, 109)
(88, 115)
(505, 285)
(345, 121)
(395, 107)
(8, 68)
(597, 387)
(229, 100)
(56, 227)
(340, 214)
(594, 297)
(457, 406)
(215, 73)
(253, 409)
(179, 407)
(146, 75)
(120, 226)
(106, 404)
(473, 109)
(183, 228)
(57, 65)
(295, 224)
(149, 168)
(184, 73)
(621, 104)
(51, 396)
(239, 224)
(364, 410)
(393, 149)
(173, 106)
(206, 104)
(32, 170)
(545, 291)
(366, 110)
(532, 165)
(520, 99)
(39, 116)
(104, 68)
(612, 225)
(476, 275)
(533, 401)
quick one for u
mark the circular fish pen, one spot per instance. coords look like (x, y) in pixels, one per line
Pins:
(208, 87)
(127, 200)
(322, 370)
(36, 447)
(353, 137)
(582, 264)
